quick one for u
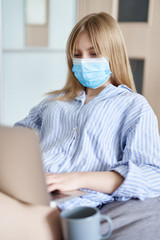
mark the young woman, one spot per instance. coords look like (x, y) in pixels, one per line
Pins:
(97, 133)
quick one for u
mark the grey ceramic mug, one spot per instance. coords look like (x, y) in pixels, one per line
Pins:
(84, 223)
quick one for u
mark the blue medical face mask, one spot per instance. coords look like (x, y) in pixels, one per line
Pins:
(92, 72)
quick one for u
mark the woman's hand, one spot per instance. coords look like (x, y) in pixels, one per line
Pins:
(63, 181)
(106, 182)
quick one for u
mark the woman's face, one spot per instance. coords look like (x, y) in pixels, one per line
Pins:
(84, 48)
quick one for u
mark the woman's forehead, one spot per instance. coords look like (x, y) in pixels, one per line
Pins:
(83, 41)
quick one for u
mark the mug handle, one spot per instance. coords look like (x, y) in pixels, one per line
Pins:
(106, 235)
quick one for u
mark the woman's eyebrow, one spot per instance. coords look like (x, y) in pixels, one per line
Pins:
(90, 48)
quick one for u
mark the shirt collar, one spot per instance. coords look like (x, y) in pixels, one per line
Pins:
(81, 97)
(108, 92)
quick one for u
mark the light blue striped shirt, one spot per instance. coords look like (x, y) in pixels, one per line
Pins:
(117, 130)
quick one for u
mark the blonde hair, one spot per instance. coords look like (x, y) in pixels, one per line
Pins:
(108, 41)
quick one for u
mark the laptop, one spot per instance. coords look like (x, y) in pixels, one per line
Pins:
(21, 171)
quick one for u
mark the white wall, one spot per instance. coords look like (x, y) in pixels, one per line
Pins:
(28, 73)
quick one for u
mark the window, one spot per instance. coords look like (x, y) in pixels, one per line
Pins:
(133, 10)
(137, 66)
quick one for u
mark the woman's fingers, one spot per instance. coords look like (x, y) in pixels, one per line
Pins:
(63, 181)
(53, 187)
(55, 182)
(52, 179)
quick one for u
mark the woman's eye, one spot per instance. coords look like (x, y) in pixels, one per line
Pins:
(76, 55)
(93, 54)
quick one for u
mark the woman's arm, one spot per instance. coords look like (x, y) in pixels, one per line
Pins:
(106, 182)
(140, 164)
(34, 118)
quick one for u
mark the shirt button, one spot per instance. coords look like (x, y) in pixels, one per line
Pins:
(74, 129)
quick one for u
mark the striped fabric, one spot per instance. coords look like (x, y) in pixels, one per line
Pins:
(117, 130)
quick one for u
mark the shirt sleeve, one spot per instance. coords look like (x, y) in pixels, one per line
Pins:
(34, 119)
(140, 164)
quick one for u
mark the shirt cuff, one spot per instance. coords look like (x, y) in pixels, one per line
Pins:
(134, 184)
